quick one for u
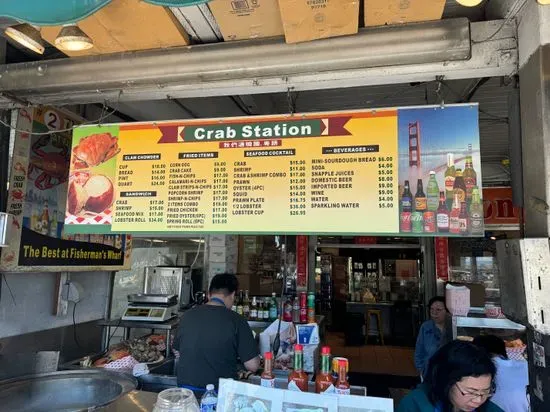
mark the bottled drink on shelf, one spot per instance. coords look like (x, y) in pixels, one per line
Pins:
(297, 380)
(454, 222)
(463, 219)
(432, 193)
(303, 307)
(267, 378)
(470, 177)
(273, 311)
(296, 310)
(240, 309)
(442, 214)
(476, 214)
(287, 310)
(246, 305)
(254, 309)
(311, 307)
(406, 208)
(420, 200)
(266, 310)
(450, 173)
(342, 384)
(460, 186)
(324, 382)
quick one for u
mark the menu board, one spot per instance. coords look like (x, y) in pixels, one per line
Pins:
(338, 172)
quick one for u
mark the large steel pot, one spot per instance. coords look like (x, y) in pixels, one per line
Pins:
(78, 390)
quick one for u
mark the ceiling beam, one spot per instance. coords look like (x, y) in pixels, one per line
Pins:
(400, 54)
(199, 23)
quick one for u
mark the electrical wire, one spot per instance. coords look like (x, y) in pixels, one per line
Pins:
(9, 288)
(74, 326)
(104, 115)
(506, 21)
(113, 334)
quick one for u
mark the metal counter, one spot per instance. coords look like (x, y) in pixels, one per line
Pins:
(134, 401)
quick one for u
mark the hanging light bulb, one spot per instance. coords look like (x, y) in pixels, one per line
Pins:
(469, 3)
(72, 38)
(26, 35)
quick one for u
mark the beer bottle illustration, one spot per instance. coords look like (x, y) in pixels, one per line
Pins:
(463, 219)
(454, 223)
(450, 173)
(406, 208)
(470, 178)
(459, 187)
(442, 214)
(433, 193)
(420, 206)
(476, 214)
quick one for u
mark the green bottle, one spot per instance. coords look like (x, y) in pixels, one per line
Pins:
(432, 193)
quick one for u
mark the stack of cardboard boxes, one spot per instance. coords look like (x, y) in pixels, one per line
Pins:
(306, 20)
(223, 252)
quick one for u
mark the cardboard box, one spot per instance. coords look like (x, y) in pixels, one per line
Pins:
(305, 20)
(382, 12)
(247, 19)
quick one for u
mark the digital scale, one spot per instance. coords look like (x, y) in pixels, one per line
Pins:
(151, 307)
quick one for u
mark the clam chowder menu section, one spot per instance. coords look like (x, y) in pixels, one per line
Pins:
(320, 173)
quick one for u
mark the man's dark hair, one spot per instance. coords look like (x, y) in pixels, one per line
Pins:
(224, 283)
(492, 344)
(437, 299)
(451, 363)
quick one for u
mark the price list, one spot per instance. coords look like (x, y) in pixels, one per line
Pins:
(220, 194)
(386, 195)
(297, 188)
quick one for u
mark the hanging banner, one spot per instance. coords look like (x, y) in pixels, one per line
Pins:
(442, 258)
(301, 262)
(37, 199)
(410, 171)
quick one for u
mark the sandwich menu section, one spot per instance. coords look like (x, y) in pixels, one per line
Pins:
(338, 172)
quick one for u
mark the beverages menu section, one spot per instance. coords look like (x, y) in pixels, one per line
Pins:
(321, 173)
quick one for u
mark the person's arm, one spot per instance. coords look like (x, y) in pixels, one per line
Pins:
(420, 352)
(247, 349)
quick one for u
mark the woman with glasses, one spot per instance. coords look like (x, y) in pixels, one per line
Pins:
(459, 377)
(512, 375)
(432, 334)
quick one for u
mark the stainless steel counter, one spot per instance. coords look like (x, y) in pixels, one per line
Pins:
(134, 401)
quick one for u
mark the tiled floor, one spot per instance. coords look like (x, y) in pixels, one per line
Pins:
(374, 359)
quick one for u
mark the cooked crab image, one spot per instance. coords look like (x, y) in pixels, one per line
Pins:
(95, 149)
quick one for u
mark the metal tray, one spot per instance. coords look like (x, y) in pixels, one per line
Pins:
(150, 298)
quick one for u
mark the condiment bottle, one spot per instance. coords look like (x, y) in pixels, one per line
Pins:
(297, 380)
(324, 382)
(296, 310)
(303, 307)
(342, 384)
(267, 377)
(287, 312)
(311, 308)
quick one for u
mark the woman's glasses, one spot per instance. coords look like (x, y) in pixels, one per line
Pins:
(473, 395)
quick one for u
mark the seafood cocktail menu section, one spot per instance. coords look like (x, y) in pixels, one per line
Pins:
(316, 173)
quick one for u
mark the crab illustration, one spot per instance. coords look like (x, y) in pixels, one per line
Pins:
(53, 165)
(95, 149)
(17, 195)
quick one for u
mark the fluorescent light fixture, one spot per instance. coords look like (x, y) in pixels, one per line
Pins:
(72, 38)
(6, 221)
(493, 238)
(26, 35)
(544, 2)
(469, 3)
(197, 240)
